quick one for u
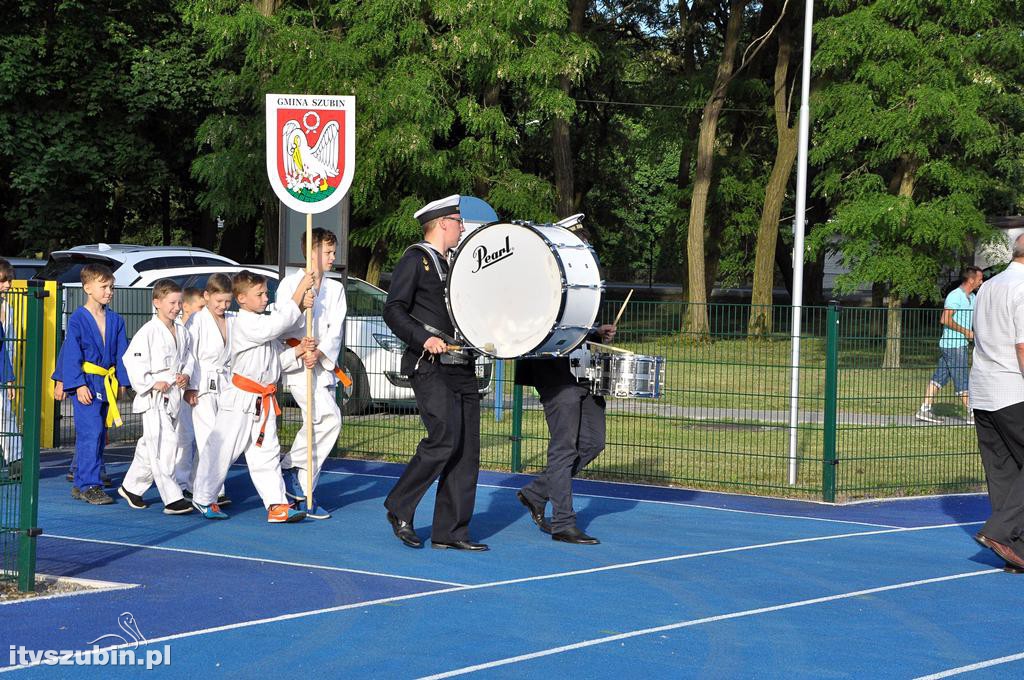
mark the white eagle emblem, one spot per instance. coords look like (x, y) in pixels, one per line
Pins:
(308, 168)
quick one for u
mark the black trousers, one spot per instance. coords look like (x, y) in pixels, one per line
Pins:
(1001, 441)
(577, 427)
(449, 454)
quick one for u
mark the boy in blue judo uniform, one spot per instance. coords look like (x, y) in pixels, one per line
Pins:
(91, 367)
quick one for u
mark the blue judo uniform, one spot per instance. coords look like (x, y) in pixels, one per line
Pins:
(82, 344)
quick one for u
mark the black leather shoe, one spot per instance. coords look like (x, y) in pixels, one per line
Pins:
(459, 545)
(404, 531)
(536, 513)
(575, 536)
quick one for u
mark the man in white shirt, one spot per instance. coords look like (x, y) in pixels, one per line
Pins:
(997, 397)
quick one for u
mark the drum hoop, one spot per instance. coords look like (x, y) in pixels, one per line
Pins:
(561, 272)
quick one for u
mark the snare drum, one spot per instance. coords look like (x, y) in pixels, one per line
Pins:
(524, 290)
(628, 375)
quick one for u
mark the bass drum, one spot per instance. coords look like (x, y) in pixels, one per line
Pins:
(524, 290)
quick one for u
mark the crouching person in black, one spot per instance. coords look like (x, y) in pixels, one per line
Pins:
(445, 386)
(576, 424)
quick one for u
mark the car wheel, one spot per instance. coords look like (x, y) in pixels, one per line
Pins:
(355, 399)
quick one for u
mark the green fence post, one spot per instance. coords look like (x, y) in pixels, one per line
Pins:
(517, 428)
(29, 511)
(829, 460)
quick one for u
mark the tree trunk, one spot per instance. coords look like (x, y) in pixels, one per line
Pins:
(561, 143)
(266, 7)
(697, 313)
(775, 193)
(165, 214)
(376, 264)
(894, 323)
(271, 227)
(893, 333)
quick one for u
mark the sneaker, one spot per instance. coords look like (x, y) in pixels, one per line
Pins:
(284, 513)
(926, 415)
(223, 501)
(315, 512)
(94, 495)
(70, 477)
(134, 500)
(14, 469)
(178, 507)
(108, 483)
(76, 493)
(210, 511)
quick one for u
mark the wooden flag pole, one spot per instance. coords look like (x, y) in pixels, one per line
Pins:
(622, 308)
(309, 374)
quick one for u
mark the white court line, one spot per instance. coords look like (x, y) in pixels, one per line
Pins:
(638, 500)
(492, 584)
(619, 498)
(972, 667)
(696, 622)
(251, 559)
(645, 500)
(93, 586)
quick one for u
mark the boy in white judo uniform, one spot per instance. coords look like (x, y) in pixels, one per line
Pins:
(210, 330)
(328, 325)
(10, 436)
(191, 302)
(247, 407)
(159, 362)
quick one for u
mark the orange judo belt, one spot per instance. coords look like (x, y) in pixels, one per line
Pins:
(338, 373)
(267, 399)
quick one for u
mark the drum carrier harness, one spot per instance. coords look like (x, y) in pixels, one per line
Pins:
(452, 357)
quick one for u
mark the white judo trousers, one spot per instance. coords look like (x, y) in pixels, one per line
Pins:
(157, 455)
(329, 309)
(10, 433)
(326, 428)
(10, 437)
(155, 355)
(211, 375)
(255, 355)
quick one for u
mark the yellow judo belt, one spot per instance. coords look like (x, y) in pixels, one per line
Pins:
(110, 386)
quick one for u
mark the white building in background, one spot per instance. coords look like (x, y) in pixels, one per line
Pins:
(997, 253)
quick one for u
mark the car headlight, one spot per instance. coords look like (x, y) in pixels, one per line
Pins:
(389, 342)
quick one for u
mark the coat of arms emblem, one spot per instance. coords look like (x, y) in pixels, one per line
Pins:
(310, 149)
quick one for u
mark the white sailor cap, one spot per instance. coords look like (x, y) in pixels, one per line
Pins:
(439, 208)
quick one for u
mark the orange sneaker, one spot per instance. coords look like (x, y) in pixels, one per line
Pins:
(283, 512)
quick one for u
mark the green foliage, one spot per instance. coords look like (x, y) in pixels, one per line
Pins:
(915, 92)
(97, 112)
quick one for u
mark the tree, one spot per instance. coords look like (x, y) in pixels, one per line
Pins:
(919, 122)
(95, 106)
(760, 322)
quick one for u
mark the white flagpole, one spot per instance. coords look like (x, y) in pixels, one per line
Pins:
(798, 238)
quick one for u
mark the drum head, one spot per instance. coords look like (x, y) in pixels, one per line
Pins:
(505, 289)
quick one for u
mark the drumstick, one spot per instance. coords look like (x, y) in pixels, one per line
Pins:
(622, 308)
(609, 347)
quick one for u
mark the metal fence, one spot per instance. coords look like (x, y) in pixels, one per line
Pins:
(723, 420)
(21, 316)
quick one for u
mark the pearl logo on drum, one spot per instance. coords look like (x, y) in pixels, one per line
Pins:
(485, 258)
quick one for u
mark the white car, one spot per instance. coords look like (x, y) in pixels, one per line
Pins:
(128, 262)
(372, 355)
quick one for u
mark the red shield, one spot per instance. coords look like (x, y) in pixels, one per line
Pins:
(310, 149)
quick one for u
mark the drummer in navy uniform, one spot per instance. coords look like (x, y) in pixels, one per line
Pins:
(445, 386)
(576, 423)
